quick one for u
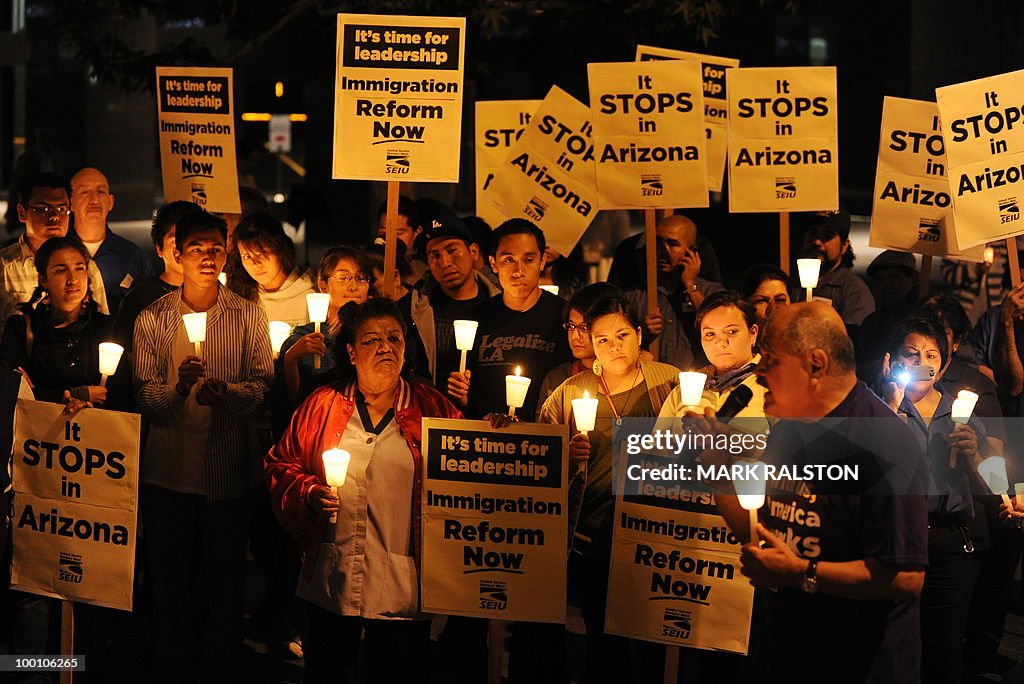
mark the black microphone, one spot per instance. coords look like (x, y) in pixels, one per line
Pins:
(737, 401)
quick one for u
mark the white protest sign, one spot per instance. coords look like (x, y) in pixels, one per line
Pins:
(783, 139)
(548, 175)
(495, 520)
(716, 103)
(499, 124)
(398, 98)
(649, 134)
(912, 210)
(76, 483)
(983, 130)
(675, 572)
(196, 120)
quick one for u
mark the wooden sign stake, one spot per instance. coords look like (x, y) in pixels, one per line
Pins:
(67, 636)
(391, 240)
(1013, 261)
(671, 664)
(495, 650)
(651, 238)
(784, 241)
(926, 275)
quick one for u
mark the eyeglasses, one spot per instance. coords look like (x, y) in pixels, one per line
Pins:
(346, 278)
(49, 211)
(573, 327)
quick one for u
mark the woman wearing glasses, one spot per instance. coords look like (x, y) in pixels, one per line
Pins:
(345, 274)
(269, 271)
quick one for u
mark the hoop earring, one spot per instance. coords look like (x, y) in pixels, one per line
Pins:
(597, 368)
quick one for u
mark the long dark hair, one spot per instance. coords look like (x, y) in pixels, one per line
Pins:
(266, 232)
(42, 261)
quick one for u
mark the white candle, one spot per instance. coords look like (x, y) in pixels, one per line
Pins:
(553, 289)
(336, 469)
(993, 472)
(110, 356)
(963, 406)
(691, 388)
(195, 328)
(317, 304)
(750, 493)
(809, 270)
(584, 412)
(516, 387)
(465, 335)
(990, 256)
(279, 332)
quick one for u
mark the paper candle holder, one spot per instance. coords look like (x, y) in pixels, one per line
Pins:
(553, 289)
(317, 305)
(963, 406)
(584, 412)
(279, 332)
(691, 387)
(465, 334)
(516, 387)
(336, 463)
(110, 356)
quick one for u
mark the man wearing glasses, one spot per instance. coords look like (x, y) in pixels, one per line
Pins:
(45, 209)
(449, 292)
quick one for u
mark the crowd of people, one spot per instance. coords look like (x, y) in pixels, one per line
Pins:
(902, 577)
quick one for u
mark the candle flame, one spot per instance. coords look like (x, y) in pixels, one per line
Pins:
(586, 394)
(519, 371)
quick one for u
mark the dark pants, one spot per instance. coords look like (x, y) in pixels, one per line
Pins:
(174, 522)
(945, 600)
(537, 653)
(991, 597)
(280, 560)
(610, 659)
(395, 650)
(463, 644)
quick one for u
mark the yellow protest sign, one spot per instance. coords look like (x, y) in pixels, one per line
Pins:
(912, 210)
(649, 142)
(196, 119)
(983, 130)
(716, 102)
(398, 98)
(675, 571)
(495, 520)
(548, 175)
(76, 483)
(783, 139)
(499, 123)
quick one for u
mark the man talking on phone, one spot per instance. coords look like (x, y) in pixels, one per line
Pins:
(681, 291)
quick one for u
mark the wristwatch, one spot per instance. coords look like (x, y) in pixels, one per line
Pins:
(693, 288)
(809, 583)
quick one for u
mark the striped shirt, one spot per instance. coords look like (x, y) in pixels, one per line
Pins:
(20, 279)
(237, 351)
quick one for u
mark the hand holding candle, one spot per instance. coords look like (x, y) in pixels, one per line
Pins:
(516, 387)
(750, 493)
(195, 328)
(809, 270)
(317, 304)
(110, 356)
(336, 469)
(279, 332)
(584, 412)
(465, 335)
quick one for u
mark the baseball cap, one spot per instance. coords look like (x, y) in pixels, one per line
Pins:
(893, 259)
(834, 222)
(443, 228)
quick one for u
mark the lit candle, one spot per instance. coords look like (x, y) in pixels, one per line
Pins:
(279, 332)
(993, 472)
(584, 412)
(809, 270)
(110, 356)
(1018, 490)
(963, 407)
(336, 469)
(553, 289)
(990, 256)
(516, 387)
(222, 278)
(317, 303)
(195, 328)
(465, 335)
(691, 388)
(750, 493)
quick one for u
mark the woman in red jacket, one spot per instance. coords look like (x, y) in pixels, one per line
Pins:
(360, 573)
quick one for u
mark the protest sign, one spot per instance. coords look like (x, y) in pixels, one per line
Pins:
(649, 139)
(912, 209)
(716, 103)
(983, 131)
(76, 482)
(196, 117)
(398, 98)
(548, 175)
(499, 124)
(783, 139)
(675, 572)
(495, 530)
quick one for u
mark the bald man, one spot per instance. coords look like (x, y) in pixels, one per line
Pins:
(681, 291)
(121, 263)
(848, 567)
